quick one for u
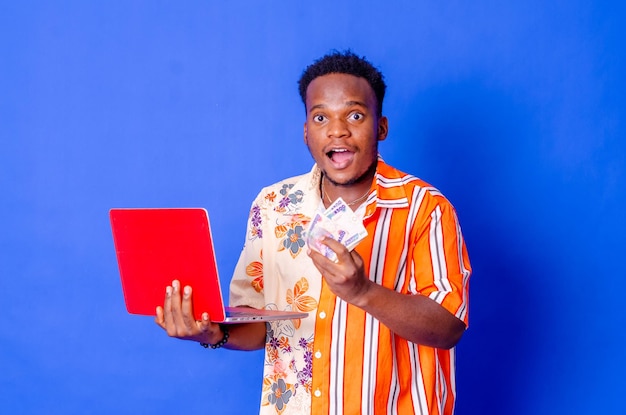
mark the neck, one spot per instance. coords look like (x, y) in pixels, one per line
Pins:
(366, 177)
(354, 192)
(354, 195)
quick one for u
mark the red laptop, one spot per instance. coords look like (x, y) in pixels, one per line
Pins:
(156, 246)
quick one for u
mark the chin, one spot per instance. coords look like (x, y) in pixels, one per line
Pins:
(344, 179)
(349, 177)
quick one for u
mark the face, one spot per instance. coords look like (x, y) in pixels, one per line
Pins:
(342, 127)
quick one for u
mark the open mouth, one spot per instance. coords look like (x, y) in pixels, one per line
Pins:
(340, 156)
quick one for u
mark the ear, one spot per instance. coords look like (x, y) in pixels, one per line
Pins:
(383, 128)
(306, 140)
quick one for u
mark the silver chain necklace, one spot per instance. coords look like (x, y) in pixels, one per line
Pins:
(358, 200)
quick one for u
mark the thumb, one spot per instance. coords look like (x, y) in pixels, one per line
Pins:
(205, 323)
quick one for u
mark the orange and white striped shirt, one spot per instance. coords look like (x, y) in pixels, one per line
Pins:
(341, 360)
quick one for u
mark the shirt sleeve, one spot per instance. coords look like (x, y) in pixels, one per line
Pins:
(441, 262)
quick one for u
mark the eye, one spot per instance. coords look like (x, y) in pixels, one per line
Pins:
(356, 116)
(318, 118)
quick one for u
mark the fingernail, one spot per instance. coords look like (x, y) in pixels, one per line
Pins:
(187, 291)
(205, 316)
(168, 291)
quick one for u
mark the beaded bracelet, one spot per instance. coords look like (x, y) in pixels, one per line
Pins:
(220, 343)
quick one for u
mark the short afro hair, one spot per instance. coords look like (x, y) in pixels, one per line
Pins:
(344, 63)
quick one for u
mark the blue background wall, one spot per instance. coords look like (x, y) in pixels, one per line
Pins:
(515, 111)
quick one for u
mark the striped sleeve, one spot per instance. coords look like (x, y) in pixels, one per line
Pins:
(441, 267)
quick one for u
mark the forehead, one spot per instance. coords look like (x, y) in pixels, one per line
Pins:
(339, 87)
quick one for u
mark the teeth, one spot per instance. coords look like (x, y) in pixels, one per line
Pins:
(336, 150)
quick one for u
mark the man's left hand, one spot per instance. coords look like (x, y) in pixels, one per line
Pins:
(345, 276)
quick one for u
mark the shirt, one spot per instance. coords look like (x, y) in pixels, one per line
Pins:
(339, 359)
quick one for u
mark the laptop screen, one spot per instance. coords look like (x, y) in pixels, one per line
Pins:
(156, 246)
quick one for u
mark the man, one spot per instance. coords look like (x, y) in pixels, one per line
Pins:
(384, 318)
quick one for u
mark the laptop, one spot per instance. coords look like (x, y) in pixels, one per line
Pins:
(155, 246)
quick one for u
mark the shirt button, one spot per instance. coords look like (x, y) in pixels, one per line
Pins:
(317, 393)
(322, 315)
(318, 354)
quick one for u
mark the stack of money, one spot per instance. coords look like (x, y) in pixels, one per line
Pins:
(339, 223)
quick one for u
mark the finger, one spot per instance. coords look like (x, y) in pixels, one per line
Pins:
(168, 318)
(327, 268)
(159, 319)
(325, 264)
(338, 248)
(319, 260)
(175, 302)
(187, 311)
(205, 325)
(356, 258)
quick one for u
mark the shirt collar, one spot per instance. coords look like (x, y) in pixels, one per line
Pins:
(387, 190)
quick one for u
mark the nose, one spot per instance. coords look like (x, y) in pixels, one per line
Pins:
(337, 127)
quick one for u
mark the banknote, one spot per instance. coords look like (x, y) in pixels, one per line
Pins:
(339, 223)
(349, 227)
(321, 227)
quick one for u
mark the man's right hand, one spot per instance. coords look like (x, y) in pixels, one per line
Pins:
(176, 317)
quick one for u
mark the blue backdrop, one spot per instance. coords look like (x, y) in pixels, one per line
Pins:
(515, 111)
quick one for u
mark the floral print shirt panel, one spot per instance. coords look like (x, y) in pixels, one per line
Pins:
(274, 272)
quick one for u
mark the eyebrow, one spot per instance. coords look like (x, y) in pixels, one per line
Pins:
(347, 104)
